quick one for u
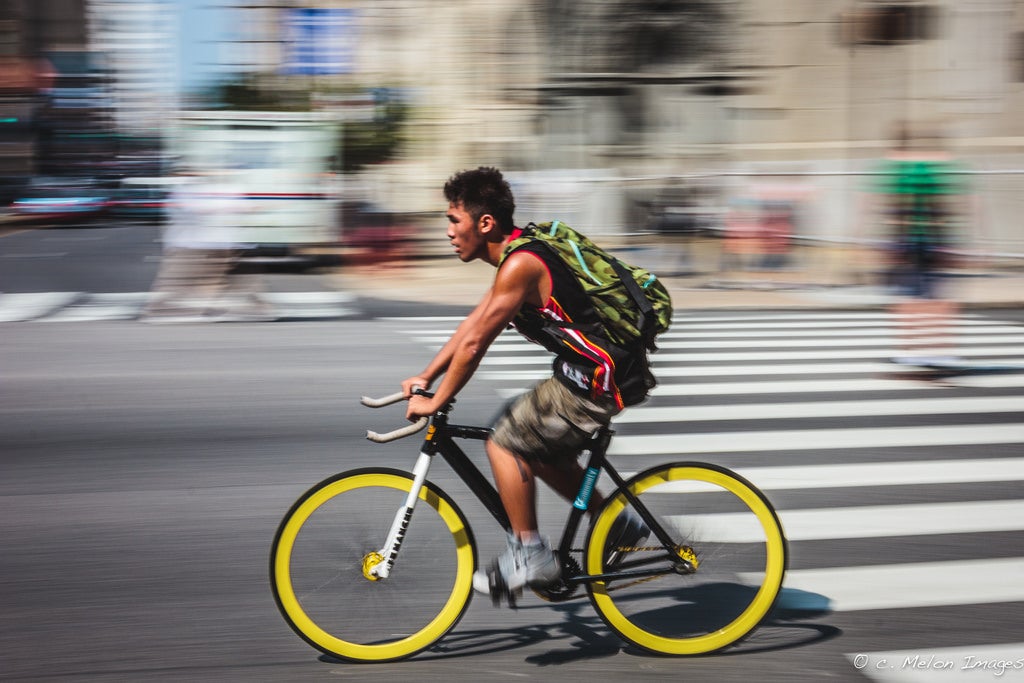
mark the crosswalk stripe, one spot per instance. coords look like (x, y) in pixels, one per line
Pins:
(813, 317)
(795, 369)
(865, 332)
(311, 304)
(788, 369)
(817, 439)
(516, 346)
(829, 386)
(872, 521)
(18, 307)
(111, 306)
(959, 340)
(847, 475)
(843, 327)
(786, 411)
(427, 319)
(918, 584)
(750, 356)
(682, 340)
(967, 664)
(82, 307)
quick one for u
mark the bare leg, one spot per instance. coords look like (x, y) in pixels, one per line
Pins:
(517, 487)
(516, 482)
(924, 325)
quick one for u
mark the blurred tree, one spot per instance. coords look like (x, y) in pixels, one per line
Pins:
(362, 142)
(377, 140)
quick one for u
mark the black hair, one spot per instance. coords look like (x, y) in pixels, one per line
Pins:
(483, 191)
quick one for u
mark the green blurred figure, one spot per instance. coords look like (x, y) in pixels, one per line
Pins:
(923, 193)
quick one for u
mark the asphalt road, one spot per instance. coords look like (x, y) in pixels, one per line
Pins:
(144, 469)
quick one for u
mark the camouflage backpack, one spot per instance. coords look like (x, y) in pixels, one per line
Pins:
(633, 305)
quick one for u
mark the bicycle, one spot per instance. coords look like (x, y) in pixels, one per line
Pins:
(360, 582)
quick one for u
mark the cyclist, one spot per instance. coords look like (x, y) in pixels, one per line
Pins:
(542, 432)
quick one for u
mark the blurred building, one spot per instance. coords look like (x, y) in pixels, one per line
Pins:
(32, 33)
(598, 107)
(621, 97)
(136, 40)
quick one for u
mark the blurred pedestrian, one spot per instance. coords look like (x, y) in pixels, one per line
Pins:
(201, 276)
(923, 197)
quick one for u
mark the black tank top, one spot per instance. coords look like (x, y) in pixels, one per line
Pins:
(568, 326)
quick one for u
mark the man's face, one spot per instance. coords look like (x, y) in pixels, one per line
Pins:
(464, 233)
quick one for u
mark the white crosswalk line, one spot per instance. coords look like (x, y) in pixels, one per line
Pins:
(19, 307)
(866, 332)
(822, 327)
(112, 306)
(811, 317)
(826, 386)
(754, 356)
(786, 369)
(309, 305)
(967, 664)
(846, 475)
(919, 584)
(889, 342)
(87, 307)
(818, 439)
(871, 521)
(426, 318)
(792, 411)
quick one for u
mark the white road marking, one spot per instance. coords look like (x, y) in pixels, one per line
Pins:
(817, 439)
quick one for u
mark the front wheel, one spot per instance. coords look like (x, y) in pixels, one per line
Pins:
(721, 574)
(327, 545)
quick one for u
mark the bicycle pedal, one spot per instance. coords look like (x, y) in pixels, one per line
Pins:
(499, 590)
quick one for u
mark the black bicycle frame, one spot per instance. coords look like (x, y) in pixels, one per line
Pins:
(441, 437)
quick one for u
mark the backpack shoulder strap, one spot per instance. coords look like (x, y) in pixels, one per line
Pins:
(528, 235)
(642, 302)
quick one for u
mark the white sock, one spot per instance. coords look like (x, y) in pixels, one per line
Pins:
(531, 539)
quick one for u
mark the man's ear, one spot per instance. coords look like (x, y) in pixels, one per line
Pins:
(487, 224)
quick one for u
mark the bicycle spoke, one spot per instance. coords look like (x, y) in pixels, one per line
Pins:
(323, 583)
(720, 581)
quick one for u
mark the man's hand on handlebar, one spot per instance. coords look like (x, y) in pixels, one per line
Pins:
(420, 406)
(413, 382)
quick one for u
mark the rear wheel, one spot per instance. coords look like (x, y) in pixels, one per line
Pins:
(721, 576)
(327, 545)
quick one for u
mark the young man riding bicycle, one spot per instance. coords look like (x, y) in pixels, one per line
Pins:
(541, 433)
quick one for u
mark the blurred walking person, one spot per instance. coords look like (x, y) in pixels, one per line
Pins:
(201, 277)
(923, 200)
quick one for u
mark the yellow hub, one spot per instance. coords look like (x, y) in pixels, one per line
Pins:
(686, 554)
(370, 561)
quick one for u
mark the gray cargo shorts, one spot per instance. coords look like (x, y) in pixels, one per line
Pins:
(550, 423)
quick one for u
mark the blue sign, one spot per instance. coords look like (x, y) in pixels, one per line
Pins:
(320, 41)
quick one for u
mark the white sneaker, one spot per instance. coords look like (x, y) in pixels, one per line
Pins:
(534, 565)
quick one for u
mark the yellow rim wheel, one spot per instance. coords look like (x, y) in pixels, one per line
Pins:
(299, 605)
(673, 493)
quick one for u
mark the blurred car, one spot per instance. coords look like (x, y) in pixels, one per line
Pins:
(144, 199)
(63, 200)
(373, 235)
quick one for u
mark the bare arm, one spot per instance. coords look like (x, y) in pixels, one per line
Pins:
(518, 281)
